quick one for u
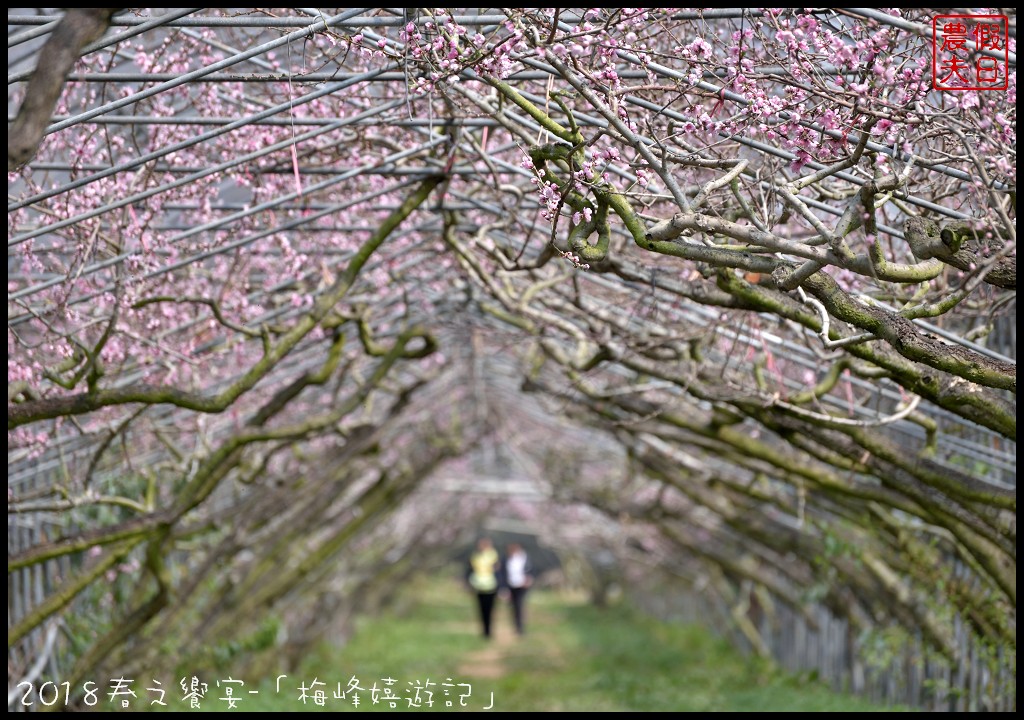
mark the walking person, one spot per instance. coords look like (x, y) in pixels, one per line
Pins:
(482, 576)
(518, 578)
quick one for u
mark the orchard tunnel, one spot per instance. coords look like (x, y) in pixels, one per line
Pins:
(301, 304)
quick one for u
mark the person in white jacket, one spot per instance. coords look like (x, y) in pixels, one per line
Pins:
(516, 574)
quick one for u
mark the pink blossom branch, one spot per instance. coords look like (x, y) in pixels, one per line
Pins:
(52, 407)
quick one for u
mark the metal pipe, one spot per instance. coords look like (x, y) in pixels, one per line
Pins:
(242, 242)
(250, 21)
(278, 76)
(196, 74)
(220, 167)
(18, 39)
(113, 40)
(281, 199)
(209, 135)
(454, 170)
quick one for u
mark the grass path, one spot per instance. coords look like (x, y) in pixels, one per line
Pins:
(574, 657)
(492, 662)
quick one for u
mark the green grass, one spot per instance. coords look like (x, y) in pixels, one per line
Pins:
(618, 660)
(574, 657)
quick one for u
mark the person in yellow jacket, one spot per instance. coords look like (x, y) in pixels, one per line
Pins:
(482, 576)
